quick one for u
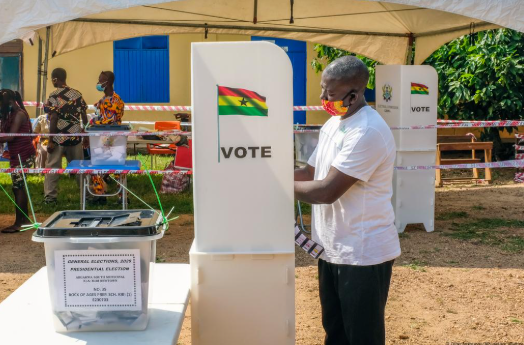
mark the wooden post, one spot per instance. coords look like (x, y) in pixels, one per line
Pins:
(438, 179)
(487, 159)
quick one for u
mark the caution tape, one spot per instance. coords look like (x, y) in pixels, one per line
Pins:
(98, 134)
(519, 147)
(519, 177)
(504, 164)
(94, 171)
(491, 165)
(519, 156)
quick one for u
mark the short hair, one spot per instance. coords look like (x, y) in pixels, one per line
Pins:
(349, 69)
(110, 76)
(59, 73)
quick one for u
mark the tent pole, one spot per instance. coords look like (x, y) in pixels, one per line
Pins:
(39, 78)
(46, 61)
(236, 27)
(411, 41)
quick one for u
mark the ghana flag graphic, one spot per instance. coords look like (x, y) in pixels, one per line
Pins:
(233, 101)
(419, 89)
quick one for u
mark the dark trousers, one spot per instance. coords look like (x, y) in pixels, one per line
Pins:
(353, 300)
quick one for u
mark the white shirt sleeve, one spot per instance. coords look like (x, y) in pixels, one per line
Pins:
(313, 158)
(360, 157)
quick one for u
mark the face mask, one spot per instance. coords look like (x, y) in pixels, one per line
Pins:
(336, 108)
(100, 88)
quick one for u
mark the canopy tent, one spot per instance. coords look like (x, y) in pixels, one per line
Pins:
(381, 30)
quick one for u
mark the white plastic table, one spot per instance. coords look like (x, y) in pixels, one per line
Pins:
(25, 316)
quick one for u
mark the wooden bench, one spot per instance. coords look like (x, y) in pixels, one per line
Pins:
(462, 145)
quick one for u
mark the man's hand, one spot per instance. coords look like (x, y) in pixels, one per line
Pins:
(51, 146)
(325, 191)
(306, 173)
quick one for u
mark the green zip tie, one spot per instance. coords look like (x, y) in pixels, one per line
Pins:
(156, 193)
(136, 196)
(27, 190)
(32, 225)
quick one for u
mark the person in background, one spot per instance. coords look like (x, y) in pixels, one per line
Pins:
(66, 111)
(14, 119)
(42, 127)
(348, 179)
(109, 111)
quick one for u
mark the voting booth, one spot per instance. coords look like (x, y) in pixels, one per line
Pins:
(242, 258)
(406, 96)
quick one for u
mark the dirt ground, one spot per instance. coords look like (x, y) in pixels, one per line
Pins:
(461, 283)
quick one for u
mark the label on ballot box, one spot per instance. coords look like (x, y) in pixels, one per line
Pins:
(106, 280)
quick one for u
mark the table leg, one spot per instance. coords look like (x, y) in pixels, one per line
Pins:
(124, 192)
(82, 192)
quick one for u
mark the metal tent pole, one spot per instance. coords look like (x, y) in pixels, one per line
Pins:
(46, 61)
(39, 78)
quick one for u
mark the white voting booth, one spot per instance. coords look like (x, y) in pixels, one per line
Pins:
(407, 96)
(242, 259)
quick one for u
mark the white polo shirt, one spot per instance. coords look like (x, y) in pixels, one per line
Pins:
(358, 228)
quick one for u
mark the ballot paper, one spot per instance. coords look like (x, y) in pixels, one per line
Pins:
(311, 247)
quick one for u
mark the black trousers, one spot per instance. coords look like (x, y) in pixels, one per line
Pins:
(353, 300)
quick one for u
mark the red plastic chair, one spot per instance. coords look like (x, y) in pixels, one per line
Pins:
(163, 149)
(184, 157)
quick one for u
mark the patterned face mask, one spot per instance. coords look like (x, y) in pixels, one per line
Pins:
(336, 108)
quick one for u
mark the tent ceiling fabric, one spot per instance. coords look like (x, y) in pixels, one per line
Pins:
(381, 30)
(21, 17)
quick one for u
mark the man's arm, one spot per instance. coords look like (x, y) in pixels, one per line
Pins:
(53, 128)
(306, 173)
(325, 191)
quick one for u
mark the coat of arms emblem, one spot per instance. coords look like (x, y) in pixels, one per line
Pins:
(387, 92)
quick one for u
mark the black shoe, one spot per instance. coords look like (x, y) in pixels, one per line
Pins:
(119, 202)
(50, 202)
(97, 200)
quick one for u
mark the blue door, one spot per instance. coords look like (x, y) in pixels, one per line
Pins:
(10, 72)
(141, 67)
(296, 50)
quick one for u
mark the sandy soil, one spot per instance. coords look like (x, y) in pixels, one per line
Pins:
(443, 289)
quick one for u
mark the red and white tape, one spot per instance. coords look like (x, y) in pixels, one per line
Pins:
(492, 165)
(98, 134)
(519, 177)
(503, 164)
(94, 171)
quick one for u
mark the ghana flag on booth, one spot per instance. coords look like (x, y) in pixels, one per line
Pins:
(235, 101)
(419, 89)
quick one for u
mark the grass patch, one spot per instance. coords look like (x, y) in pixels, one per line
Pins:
(514, 245)
(487, 231)
(69, 193)
(478, 208)
(417, 265)
(452, 215)
(515, 320)
(403, 235)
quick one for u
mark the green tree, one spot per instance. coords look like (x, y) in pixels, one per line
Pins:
(326, 54)
(481, 78)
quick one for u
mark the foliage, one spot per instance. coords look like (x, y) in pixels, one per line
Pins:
(481, 78)
(326, 55)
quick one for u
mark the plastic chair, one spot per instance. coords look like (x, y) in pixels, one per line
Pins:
(163, 149)
(184, 157)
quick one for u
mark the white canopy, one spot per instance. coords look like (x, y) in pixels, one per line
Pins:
(382, 30)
